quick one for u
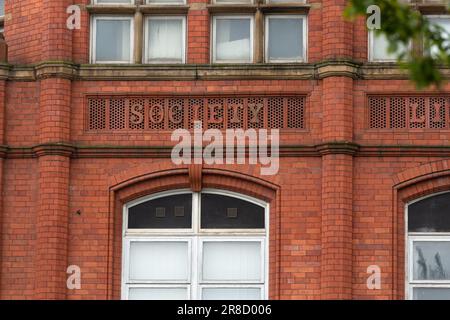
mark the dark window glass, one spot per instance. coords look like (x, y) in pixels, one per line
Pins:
(167, 213)
(222, 212)
(430, 215)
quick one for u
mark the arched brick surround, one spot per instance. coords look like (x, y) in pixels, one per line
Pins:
(140, 185)
(411, 184)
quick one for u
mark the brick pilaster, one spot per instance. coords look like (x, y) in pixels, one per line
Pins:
(54, 163)
(337, 158)
(337, 39)
(2, 151)
(56, 38)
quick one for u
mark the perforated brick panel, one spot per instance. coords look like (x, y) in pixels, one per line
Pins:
(113, 113)
(408, 112)
(96, 114)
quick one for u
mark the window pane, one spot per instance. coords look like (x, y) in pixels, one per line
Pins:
(168, 212)
(431, 293)
(443, 23)
(285, 38)
(430, 214)
(165, 40)
(380, 49)
(233, 260)
(431, 260)
(231, 294)
(113, 40)
(233, 39)
(157, 294)
(2, 7)
(225, 212)
(159, 260)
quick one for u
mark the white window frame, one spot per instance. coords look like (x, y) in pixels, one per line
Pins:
(96, 2)
(410, 238)
(213, 37)
(183, 35)
(196, 237)
(304, 35)
(93, 40)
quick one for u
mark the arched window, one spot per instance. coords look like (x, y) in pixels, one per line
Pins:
(428, 249)
(184, 245)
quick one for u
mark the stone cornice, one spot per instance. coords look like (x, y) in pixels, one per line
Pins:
(59, 149)
(124, 72)
(89, 152)
(336, 68)
(337, 147)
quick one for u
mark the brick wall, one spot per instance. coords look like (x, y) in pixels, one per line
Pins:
(335, 203)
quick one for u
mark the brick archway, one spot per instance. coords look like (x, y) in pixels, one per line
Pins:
(411, 184)
(126, 190)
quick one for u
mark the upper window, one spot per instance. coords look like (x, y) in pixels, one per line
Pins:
(285, 38)
(112, 39)
(444, 23)
(165, 39)
(2, 8)
(378, 48)
(233, 39)
(428, 251)
(183, 245)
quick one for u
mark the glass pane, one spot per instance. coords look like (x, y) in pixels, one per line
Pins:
(165, 40)
(159, 260)
(168, 212)
(431, 293)
(430, 214)
(157, 294)
(2, 7)
(445, 24)
(233, 260)
(431, 260)
(233, 39)
(231, 294)
(225, 212)
(380, 48)
(113, 40)
(285, 38)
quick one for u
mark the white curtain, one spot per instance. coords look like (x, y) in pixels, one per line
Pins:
(232, 261)
(165, 40)
(380, 48)
(159, 260)
(233, 39)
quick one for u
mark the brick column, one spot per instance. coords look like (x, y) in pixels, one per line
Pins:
(337, 157)
(2, 149)
(53, 156)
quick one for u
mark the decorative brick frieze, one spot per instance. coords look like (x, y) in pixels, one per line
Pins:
(131, 113)
(408, 112)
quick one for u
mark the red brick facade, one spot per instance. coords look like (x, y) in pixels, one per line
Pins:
(336, 205)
